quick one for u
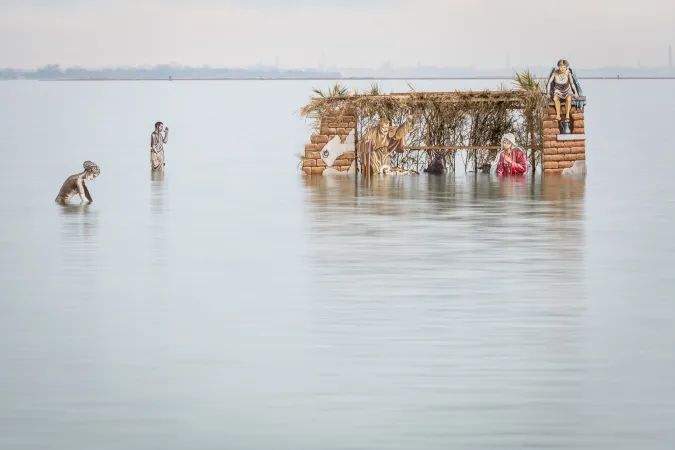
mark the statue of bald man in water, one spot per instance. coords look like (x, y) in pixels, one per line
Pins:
(74, 184)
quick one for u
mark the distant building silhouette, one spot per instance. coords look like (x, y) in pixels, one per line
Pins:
(164, 72)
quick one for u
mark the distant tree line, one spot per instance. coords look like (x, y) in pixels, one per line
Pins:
(54, 72)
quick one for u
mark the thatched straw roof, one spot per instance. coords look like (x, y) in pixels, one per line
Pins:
(411, 101)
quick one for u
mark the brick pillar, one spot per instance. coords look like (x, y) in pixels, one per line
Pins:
(561, 151)
(336, 124)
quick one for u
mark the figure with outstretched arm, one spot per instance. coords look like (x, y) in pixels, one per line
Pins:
(379, 142)
(157, 141)
(74, 184)
(564, 88)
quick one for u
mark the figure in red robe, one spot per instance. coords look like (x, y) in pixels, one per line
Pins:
(512, 160)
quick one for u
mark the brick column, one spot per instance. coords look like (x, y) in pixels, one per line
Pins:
(331, 126)
(561, 151)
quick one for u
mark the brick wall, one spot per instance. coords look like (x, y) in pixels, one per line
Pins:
(559, 155)
(331, 126)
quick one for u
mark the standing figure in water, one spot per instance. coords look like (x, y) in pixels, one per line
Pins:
(74, 184)
(511, 159)
(157, 141)
(562, 85)
(378, 143)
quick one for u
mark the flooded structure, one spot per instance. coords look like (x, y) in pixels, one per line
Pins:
(437, 132)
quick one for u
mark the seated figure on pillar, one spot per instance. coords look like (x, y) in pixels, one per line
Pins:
(378, 143)
(563, 85)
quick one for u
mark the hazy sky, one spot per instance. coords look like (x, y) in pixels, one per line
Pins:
(366, 33)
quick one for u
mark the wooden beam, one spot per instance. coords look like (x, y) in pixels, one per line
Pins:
(494, 98)
(514, 93)
(464, 147)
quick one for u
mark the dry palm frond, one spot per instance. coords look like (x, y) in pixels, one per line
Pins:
(526, 81)
(337, 90)
(374, 89)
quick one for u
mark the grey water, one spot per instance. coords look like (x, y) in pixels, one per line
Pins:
(234, 303)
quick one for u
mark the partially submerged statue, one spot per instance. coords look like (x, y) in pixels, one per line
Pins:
(563, 85)
(157, 141)
(511, 159)
(74, 184)
(376, 146)
(386, 170)
(437, 164)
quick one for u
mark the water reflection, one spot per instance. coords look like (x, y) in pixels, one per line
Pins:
(474, 216)
(463, 295)
(565, 197)
(159, 257)
(554, 197)
(80, 221)
(157, 175)
(76, 209)
(79, 224)
(158, 194)
(158, 197)
(513, 187)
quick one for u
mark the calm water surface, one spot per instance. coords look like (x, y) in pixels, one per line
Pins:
(236, 304)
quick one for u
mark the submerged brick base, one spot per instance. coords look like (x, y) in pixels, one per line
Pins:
(329, 128)
(560, 155)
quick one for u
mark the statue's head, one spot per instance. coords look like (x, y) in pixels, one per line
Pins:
(384, 126)
(563, 65)
(508, 141)
(91, 170)
(159, 126)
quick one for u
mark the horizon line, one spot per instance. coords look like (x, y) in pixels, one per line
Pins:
(314, 69)
(171, 78)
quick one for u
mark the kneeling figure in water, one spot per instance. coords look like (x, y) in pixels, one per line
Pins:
(74, 184)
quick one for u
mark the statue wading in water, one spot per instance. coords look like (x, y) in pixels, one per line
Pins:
(378, 143)
(74, 184)
(157, 141)
(563, 85)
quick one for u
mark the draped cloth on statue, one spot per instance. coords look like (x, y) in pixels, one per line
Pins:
(578, 103)
(376, 146)
(517, 165)
(157, 142)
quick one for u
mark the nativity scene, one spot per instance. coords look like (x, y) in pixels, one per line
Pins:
(535, 127)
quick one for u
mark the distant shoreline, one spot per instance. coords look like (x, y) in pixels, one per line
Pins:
(330, 78)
